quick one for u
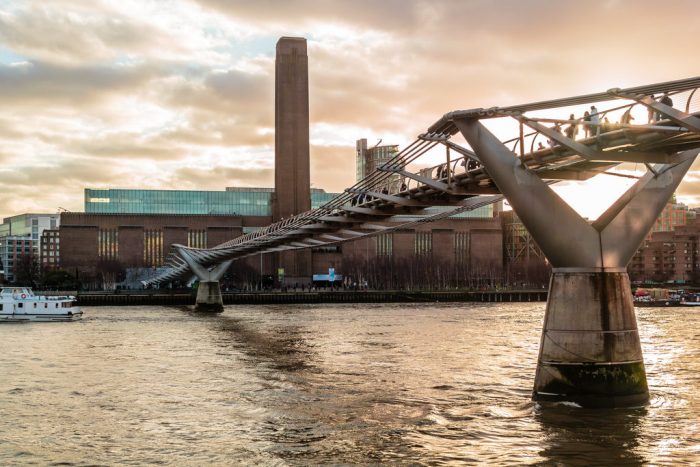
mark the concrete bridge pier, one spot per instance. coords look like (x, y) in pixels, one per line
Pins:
(590, 351)
(209, 297)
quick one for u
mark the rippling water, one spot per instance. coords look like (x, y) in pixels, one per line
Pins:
(360, 384)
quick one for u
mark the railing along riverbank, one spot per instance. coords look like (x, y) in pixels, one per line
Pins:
(341, 296)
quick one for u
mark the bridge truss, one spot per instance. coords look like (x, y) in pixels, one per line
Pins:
(462, 182)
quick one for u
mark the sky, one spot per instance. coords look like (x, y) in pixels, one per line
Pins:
(178, 94)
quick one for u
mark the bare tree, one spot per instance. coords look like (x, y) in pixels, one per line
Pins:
(110, 272)
(27, 271)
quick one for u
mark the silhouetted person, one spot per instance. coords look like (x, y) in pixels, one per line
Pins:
(666, 100)
(595, 121)
(651, 112)
(552, 141)
(627, 117)
(586, 123)
(570, 130)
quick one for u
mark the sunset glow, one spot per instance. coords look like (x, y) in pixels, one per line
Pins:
(142, 94)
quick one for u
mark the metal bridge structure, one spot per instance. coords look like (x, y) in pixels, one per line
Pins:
(590, 351)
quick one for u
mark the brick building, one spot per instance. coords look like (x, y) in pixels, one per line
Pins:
(471, 247)
(141, 240)
(670, 256)
(14, 251)
(50, 250)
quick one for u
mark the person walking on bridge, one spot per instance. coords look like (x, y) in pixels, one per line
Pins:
(666, 100)
(586, 123)
(595, 121)
(627, 117)
(572, 129)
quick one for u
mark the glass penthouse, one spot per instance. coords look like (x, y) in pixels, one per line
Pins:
(232, 202)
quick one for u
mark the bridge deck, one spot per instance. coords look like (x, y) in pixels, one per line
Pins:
(461, 189)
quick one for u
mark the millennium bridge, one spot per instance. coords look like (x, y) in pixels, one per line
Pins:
(590, 351)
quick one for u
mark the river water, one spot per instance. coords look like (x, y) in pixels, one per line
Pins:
(308, 384)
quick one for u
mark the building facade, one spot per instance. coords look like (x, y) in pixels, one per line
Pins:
(469, 248)
(14, 232)
(141, 240)
(668, 257)
(16, 257)
(29, 225)
(674, 215)
(367, 160)
(50, 250)
(234, 201)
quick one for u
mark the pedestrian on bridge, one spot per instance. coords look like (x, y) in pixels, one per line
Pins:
(595, 121)
(652, 112)
(627, 117)
(586, 123)
(552, 141)
(666, 100)
(572, 129)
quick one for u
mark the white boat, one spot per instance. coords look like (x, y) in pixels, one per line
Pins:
(692, 299)
(19, 304)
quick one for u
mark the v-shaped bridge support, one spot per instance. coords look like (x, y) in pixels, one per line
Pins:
(209, 291)
(590, 351)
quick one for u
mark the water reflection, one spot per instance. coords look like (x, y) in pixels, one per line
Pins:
(577, 436)
(282, 348)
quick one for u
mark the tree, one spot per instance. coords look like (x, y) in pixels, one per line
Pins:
(59, 280)
(27, 272)
(110, 271)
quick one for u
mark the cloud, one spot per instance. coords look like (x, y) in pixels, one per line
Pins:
(74, 34)
(217, 178)
(132, 93)
(332, 167)
(39, 84)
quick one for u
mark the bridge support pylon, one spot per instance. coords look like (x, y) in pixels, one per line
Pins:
(590, 352)
(209, 297)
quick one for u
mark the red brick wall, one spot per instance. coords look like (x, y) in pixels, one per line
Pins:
(443, 246)
(78, 246)
(131, 246)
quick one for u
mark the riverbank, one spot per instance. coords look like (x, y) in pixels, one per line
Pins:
(341, 296)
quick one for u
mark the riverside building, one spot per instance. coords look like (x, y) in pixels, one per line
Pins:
(19, 237)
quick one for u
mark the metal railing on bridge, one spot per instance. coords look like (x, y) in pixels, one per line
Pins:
(395, 196)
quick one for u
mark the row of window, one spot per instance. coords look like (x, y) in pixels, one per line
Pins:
(35, 305)
(423, 244)
(244, 203)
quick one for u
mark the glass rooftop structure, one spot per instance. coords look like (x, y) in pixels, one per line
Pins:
(232, 202)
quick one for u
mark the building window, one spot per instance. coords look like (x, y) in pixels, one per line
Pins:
(461, 240)
(385, 244)
(424, 243)
(197, 239)
(153, 248)
(108, 243)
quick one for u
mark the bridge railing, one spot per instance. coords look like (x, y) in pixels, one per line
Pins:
(463, 165)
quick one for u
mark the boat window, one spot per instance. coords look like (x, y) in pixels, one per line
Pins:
(35, 305)
(46, 305)
(20, 305)
(1, 306)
